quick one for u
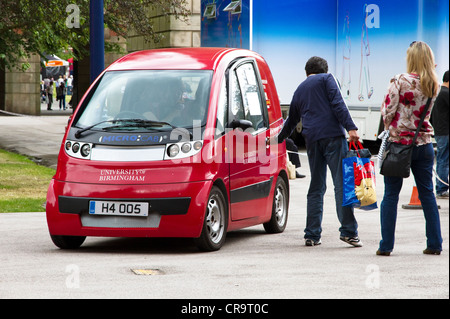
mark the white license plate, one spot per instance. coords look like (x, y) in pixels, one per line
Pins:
(133, 209)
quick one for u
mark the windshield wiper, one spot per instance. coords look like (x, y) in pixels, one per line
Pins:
(79, 132)
(137, 123)
(140, 123)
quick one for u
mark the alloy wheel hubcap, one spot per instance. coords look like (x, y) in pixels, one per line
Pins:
(280, 206)
(214, 220)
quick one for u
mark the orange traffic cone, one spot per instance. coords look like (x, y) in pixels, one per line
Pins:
(414, 203)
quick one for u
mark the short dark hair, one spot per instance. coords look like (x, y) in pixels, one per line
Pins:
(445, 79)
(316, 65)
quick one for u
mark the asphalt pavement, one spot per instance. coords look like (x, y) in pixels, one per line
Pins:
(251, 265)
(38, 137)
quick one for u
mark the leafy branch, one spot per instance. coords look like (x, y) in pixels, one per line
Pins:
(38, 26)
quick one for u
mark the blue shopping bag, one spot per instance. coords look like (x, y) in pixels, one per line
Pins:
(359, 180)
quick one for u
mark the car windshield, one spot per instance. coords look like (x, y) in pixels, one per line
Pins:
(163, 99)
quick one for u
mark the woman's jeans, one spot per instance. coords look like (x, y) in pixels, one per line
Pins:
(422, 169)
(322, 153)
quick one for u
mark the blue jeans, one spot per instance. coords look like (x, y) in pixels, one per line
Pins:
(422, 169)
(62, 102)
(442, 163)
(322, 153)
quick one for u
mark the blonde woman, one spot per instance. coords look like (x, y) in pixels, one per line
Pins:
(402, 109)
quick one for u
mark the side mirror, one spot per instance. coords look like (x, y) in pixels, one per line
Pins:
(242, 124)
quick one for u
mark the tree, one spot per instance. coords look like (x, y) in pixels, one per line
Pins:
(38, 26)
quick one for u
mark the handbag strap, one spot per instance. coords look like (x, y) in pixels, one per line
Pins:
(422, 119)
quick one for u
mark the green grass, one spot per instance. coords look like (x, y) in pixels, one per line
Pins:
(23, 184)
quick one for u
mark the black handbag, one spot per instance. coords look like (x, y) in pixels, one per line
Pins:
(397, 157)
(358, 151)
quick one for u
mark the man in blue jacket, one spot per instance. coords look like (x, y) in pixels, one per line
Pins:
(318, 103)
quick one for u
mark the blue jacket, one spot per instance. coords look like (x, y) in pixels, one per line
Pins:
(318, 103)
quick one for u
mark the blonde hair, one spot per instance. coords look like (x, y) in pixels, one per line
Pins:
(420, 60)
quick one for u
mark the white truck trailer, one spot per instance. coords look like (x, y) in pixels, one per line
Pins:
(364, 42)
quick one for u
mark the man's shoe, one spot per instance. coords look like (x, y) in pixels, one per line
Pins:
(443, 195)
(430, 251)
(354, 241)
(311, 242)
(298, 175)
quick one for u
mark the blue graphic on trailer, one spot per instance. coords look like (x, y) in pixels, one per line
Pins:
(364, 42)
(288, 32)
(226, 23)
(372, 39)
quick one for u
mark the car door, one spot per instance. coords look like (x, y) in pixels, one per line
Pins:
(250, 183)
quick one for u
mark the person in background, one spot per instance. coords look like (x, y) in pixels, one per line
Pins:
(43, 93)
(318, 103)
(49, 91)
(69, 85)
(293, 156)
(61, 95)
(402, 110)
(60, 80)
(440, 120)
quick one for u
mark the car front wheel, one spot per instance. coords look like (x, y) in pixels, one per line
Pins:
(68, 242)
(215, 224)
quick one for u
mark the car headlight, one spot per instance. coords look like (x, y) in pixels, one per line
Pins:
(183, 149)
(85, 150)
(186, 147)
(76, 147)
(198, 145)
(173, 150)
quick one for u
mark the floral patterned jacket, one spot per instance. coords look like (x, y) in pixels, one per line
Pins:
(402, 109)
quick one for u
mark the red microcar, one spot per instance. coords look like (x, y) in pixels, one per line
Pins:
(172, 143)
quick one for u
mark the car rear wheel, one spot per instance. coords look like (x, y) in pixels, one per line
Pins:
(280, 207)
(215, 224)
(68, 242)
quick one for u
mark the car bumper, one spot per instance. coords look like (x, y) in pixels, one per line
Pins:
(176, 210)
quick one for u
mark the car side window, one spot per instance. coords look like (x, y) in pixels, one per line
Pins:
(222, 110)
(236, 98)
(246, 95)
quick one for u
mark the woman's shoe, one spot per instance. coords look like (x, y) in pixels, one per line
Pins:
(430, 251)
(383, 253)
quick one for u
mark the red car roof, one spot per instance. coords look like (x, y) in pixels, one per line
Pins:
(176, 59)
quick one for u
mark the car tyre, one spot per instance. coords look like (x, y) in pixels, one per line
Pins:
(280, 208)
(68, 242)
(215, 223)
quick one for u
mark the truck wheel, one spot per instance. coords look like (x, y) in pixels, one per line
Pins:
(280, 207)
(215, 224)
(68, 242)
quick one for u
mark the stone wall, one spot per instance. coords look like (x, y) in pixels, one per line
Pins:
(21, 89)
(176, 33)
(2, 89)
